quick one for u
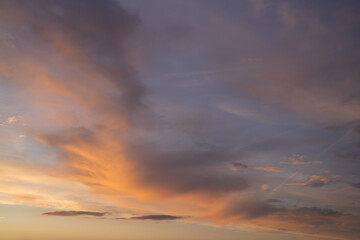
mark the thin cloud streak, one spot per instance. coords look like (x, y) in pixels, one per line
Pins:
(74, 213)
(159, 217)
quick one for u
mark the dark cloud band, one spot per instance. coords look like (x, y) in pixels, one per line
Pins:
(74, 213)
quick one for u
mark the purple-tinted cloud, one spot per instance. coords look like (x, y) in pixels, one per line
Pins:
(74, 213)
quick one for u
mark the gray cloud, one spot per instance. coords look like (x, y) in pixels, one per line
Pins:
(347, 126)
(348, 155)
(274, 200)
(247, 209)
(310, 220)
(74, 213)
(239, 165)
(186, 171)
(88, 35)
(252, 209)
(356, 185)
(280, 82)
(157, 217)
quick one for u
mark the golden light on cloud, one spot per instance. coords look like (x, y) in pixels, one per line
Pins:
(116, 113)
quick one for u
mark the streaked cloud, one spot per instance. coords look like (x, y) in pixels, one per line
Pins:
(157, 217)
(269, 168)
(274, 200)
(74, 213)
(246, 113)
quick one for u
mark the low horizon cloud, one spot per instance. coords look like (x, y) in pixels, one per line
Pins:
(74, 213)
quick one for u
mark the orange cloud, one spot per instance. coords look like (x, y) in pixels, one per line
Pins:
(24, 197)
(298, 159)
(316, 181)
(269, 168)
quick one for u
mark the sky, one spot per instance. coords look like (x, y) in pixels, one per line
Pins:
(182, 119)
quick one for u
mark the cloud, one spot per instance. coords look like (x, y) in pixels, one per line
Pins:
(39, 184)
(74, 213)
(11, 120)
(157, 217)
(317, 181)
(185, 172)
(246, 113)
(151, 174)
(356, 185)
(94, 46)
(94, 115)
(282, 82)
(353, 126)
(237, 210)
(255, 209)
(269, 168)
(348, 155)
(24, 197)
(305, 220)
(237, 166)
(298, 159)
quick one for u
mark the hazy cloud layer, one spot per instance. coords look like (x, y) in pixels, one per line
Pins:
(237, 113)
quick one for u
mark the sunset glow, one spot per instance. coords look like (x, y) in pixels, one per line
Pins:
(179, 119)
